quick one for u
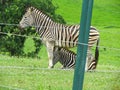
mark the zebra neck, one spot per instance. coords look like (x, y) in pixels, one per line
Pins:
(45, 25)
(42, 24)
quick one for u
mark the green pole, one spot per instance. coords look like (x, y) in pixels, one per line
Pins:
(82, 49)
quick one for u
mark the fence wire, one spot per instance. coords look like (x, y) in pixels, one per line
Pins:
(36, 37)
(34, 77)
(54, 69)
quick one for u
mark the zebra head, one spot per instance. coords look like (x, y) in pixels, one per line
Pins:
(27, 19)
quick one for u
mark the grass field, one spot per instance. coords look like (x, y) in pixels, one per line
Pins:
(32, 74)
(20, 73)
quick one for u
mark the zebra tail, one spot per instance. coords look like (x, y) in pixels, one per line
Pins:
(97, 52)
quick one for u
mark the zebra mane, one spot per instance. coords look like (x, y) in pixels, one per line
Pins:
(33, 8)
(38, 11)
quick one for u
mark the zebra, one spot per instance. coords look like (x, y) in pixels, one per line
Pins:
(68, 58)
(55, 34)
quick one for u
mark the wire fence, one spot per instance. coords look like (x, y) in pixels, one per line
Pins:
(54, 69)
(36, 37)
(19, 70)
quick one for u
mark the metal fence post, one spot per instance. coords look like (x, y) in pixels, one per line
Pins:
(82, 49)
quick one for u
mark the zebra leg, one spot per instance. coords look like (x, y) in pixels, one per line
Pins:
(55, 58)
(56, 55)
(88, 59)
(86, 65)
(50, 47)
(91, 63)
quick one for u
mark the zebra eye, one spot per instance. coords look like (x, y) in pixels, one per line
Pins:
(25, 17)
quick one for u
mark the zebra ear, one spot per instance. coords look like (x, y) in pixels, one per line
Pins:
(31, 9)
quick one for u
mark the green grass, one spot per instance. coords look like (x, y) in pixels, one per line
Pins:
(105, 13)
(32, 73)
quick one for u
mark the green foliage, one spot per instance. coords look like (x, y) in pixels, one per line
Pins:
(48, 7)
(11, 11)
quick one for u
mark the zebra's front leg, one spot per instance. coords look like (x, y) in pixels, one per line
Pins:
(50, 47)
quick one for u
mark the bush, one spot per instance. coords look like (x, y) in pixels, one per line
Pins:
(11, 11)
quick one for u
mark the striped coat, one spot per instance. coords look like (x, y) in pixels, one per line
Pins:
(55, 34)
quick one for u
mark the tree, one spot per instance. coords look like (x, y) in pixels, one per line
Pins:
(11, 11)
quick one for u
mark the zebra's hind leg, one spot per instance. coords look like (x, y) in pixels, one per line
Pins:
(91, 62)
(89, 59)
(50, 47)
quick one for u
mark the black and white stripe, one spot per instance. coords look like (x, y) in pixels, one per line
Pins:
(68, 58)
(55, 34)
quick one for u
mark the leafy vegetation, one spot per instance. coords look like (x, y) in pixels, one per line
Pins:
(11, 11)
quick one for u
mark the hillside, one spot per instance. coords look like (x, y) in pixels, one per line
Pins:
(105, 13)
